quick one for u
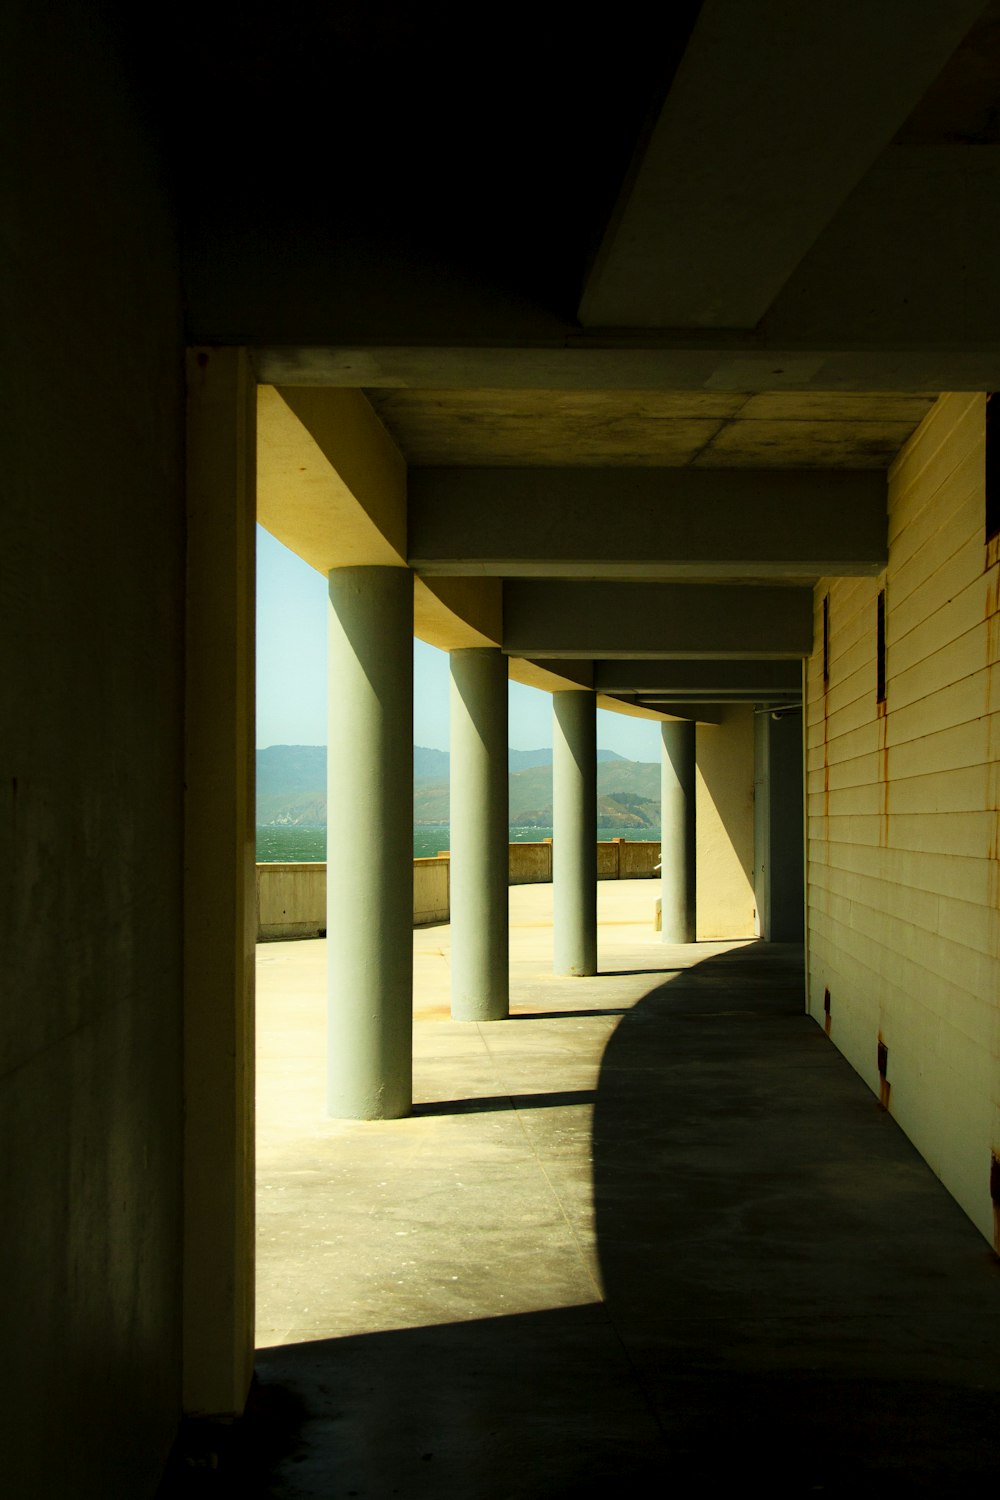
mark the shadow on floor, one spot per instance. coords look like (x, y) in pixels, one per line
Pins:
(793, 1302)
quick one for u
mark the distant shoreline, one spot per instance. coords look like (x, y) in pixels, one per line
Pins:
(289, 845)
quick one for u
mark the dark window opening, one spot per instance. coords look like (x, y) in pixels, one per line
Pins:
(880, 647)
(826, 640)
(992, 466)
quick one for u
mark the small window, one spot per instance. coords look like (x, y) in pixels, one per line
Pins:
(992, 466)
(826, 640)
(880, 647)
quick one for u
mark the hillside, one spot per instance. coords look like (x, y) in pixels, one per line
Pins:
(628, 795)
(291, 788)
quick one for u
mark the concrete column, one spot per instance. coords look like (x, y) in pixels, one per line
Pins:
(779, 819)
(220, 926)
(479, 835)
(574, 832)
(677, 832)
(370, 844)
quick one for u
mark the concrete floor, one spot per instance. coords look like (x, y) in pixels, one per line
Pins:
(652, 1228)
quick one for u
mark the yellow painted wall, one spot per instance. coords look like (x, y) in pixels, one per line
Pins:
(903, 845)
(725, 751)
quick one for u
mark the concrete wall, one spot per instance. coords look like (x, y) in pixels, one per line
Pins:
(529, 864)
(725, 836)
(903, 847)
(291, 901)
(91, 654)
(291, 898)
(778, 827)
(431, 890)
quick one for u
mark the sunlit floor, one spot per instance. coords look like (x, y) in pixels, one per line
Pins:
(652, 1227)
(481, 1202)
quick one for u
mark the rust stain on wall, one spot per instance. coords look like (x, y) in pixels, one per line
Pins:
(884, 1086)
(826, 755)
(883, 776)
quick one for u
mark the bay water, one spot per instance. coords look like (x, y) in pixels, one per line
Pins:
(307, 845)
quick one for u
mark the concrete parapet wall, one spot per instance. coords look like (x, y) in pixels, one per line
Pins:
(291, 898)
(530, 864)
(431, 890)
(291, 901)
(638, 861)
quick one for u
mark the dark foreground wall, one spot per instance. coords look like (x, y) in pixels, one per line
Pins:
(91, 666)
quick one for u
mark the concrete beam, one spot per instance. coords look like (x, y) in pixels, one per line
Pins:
(749, 160)
(909, 256)
(718, 680)
(882, 359)
(639, 708)
(458, 614)
(551, 676)
(647, 523)
(564, 618)
(331, 483)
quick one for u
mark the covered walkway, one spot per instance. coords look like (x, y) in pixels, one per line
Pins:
(651, 1227)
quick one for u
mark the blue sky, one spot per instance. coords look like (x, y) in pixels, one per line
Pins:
(291, 673)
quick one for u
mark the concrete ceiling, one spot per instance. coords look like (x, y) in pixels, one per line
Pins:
(722, 241)
(645, 428)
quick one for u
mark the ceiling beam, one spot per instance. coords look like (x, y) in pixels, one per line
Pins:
(723, 679)
(774, 115)
(766, 360)
(331, 483)
(699, 713)
(647, 523)
(571, 618)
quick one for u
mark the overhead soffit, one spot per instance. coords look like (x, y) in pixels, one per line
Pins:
(962, 106)
(703, 429)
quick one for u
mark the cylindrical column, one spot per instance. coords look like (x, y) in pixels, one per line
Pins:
(574, 832)
(369, 866)
(479, 835)
(677, 832)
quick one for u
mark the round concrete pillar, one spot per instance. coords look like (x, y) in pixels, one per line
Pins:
(369, 864)
(677, 833)
(574, 832)
(479, 835)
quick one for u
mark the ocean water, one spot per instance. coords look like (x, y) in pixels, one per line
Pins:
(306, 845)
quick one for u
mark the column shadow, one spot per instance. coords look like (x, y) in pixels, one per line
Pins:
(790, 1299)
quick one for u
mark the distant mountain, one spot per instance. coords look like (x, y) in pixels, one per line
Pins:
(523, 760)
(291, 788)
(628, 795)
(284, 769)
(429, 765)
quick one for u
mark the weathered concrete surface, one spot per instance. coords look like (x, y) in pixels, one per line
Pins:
(651, 1228)
(92, 663)
(291, 900)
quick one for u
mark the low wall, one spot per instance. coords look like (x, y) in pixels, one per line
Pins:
(431, 890)
(291, 898)
(291, 901)
(529, 864)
